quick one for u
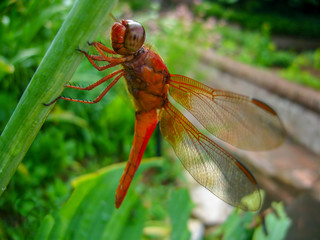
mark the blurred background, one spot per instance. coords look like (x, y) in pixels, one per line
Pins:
(266, 49)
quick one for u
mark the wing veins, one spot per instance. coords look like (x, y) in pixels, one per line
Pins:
(194, 133)
(210, 145)
(209, 164)
(213, 105)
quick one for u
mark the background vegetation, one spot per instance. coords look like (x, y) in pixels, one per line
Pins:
(288, 17)
(78, 139)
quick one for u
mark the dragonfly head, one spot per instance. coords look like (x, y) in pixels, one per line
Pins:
(127, 37)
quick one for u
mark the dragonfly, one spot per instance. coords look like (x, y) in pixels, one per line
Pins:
(244, 122)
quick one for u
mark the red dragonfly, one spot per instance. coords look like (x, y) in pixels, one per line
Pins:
(244, 122)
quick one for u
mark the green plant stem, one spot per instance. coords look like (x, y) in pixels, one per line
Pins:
(86, 19)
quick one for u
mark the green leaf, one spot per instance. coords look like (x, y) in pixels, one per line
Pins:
(179, 208)
(239, 225)
(90, 213)
(45, 228)
(277, 225)
(236, 226)
(5, 66)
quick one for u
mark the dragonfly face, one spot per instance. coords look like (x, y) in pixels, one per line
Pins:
(127, 37)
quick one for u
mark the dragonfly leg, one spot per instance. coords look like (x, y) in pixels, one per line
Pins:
(93, 57)
(98, 98)
(102, 80)
(102, 47)
(113, 61)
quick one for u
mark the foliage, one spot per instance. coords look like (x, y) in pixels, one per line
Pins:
(304, 69)
(252, 47)
(136, 5)
(179, 210)
(180, 57)
(23, 203)
(253, 14)
(78, 139)
(245, 226)
(90, 212)
(285, 6)
(28, 29)
(75, 139)
(257, 48)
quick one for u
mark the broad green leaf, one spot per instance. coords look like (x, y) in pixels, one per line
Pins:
(90, 212)
(236, 226)
(247, 225)
(277, 225)
(179, 208)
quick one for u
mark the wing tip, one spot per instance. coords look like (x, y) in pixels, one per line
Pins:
(264, 106)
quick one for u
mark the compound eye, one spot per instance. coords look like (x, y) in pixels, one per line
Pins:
(134, 36)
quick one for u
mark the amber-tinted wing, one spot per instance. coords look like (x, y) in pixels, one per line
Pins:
(208, 163)
(244, 122)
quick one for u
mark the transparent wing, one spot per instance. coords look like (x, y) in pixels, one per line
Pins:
(208, 163)
(244, 122)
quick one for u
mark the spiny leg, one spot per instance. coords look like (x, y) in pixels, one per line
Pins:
(93, 57)
(99, 97)
(102, 47)
(112, 60)
(92, 86)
